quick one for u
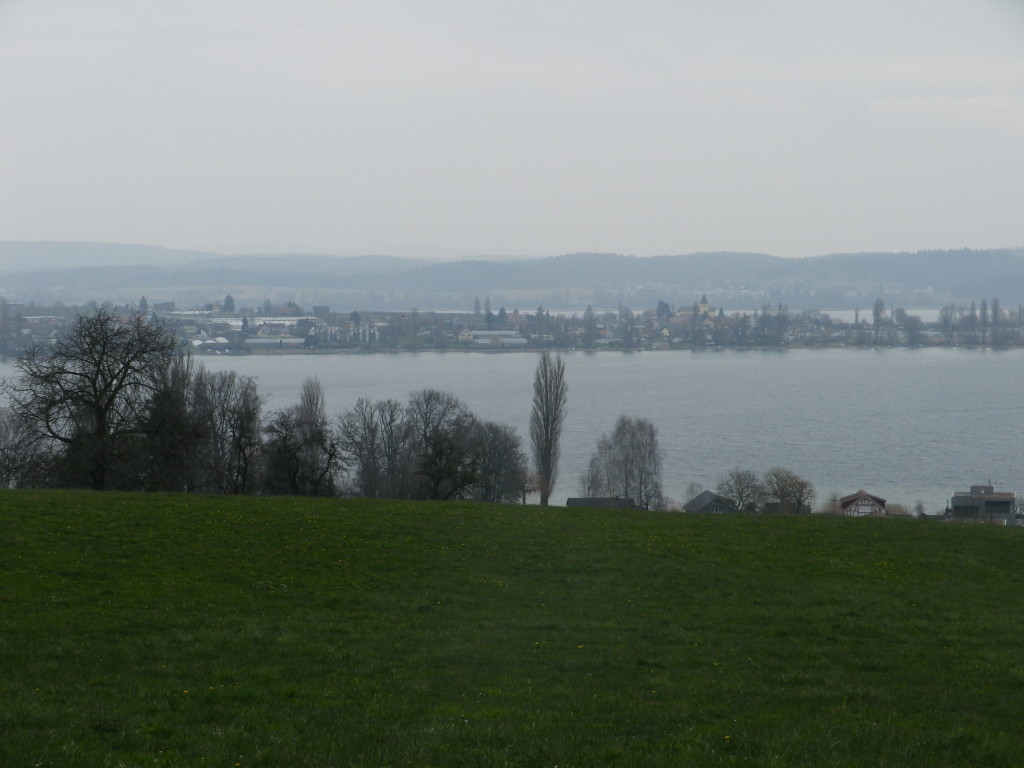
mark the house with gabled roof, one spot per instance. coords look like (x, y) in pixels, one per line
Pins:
(709, 502)
(862, 504)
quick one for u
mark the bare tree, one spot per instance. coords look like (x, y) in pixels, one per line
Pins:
(877, 316)
(359, 437)
(25, 461)
(627, 321)
(227, 407)
(969, 325)
(589, 326)
(396, 450)
(997, 316)
(795, 494)
(281, 447)
(781, 322)
(173, 432)
(626, 464)
(742, 488)
(638, 439)
(694, 489)
(374, 439)
(592, 482)
(949, 321)
(503, 466)
(914, 327)
(303, 456)
(898, 316)
(550, 393)
(441, 429)
(89, 392)
(320, 453)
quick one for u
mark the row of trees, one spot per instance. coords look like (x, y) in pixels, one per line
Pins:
(749, 492)
(113, 404)
(432, 448)
(989, 324)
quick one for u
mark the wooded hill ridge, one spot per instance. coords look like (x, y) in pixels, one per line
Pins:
(740, 281)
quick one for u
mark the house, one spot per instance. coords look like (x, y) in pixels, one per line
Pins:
(982, 504)
(706, 501)
(862, 504)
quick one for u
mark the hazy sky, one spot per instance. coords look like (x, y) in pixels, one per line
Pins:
(448, 129)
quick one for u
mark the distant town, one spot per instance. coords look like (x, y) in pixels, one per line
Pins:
(224, 328)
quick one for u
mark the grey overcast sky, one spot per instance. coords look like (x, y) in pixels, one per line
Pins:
(448, 129)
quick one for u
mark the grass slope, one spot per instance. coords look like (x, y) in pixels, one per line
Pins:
(183, 630)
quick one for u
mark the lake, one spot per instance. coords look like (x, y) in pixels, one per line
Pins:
(905, 424)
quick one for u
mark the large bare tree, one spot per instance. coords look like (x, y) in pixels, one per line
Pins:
(374, 438)
(503, 465)
(359, 437)
(442, 430)
(627, 464)
(795, 494)
(228, 408)
(550, 393)
(742, 488)
(89, 392)
(878, 317)
(302, 450)
(169, 450)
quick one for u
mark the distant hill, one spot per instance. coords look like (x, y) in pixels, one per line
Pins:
(78, 272)
(18, 255)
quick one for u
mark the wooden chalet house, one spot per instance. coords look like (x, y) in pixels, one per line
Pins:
(862, 504)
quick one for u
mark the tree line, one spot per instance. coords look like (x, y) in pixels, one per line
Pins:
(749, 492)
(113, 403)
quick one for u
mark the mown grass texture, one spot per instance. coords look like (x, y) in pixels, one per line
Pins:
(183, 630)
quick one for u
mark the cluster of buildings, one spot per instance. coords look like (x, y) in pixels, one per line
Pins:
(981, 504)
(220, 329)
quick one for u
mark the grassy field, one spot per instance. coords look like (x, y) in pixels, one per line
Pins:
(183, 630)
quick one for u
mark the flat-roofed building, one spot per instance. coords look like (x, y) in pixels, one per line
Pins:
(982, 504)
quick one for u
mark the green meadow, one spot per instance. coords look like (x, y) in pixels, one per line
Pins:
(175, 630)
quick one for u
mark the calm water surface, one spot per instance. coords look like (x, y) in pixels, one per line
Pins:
(901, 423)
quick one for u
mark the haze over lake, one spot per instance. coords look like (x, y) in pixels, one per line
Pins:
(906, 424)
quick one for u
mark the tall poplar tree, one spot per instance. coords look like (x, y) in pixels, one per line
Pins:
(546, 419)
